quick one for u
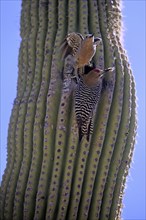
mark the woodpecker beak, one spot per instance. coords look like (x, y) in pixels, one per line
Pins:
(97, 41)
(90, 35)
(103, 72)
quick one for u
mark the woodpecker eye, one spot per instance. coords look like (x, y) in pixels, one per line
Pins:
(87, 69)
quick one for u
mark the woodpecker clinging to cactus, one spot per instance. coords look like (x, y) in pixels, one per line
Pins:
(87, 95)
(82, 49)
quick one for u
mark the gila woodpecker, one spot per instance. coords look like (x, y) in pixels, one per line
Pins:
(87, 95)
(82, 50)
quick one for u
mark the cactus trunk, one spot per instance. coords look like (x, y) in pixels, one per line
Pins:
(49, 175)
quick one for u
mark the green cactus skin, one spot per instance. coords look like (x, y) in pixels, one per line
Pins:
(49, 175)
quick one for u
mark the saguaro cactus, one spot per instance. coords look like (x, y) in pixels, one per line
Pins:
(49, 175)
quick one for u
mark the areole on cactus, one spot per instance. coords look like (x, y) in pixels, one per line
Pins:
(49, 174)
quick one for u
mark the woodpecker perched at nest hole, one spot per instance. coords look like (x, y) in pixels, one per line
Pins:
(87, 96)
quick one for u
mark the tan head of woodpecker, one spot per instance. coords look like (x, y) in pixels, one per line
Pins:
(93, 75)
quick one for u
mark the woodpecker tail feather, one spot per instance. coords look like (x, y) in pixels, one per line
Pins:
(80, 134)
(88, 132)
(80, 129)
(90, 129)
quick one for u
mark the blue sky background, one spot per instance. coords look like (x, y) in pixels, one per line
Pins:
(134, 12)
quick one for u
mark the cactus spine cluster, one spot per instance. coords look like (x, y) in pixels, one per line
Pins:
(48, 174)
